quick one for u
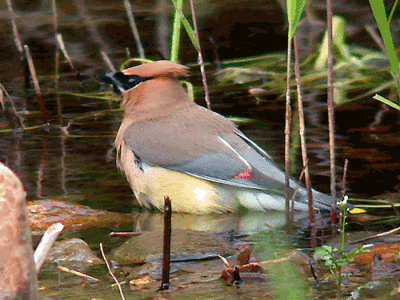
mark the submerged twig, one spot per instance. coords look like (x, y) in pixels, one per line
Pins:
(134, 28)
(110, 271)
(79, 274)
(36, 84)
(127, 234)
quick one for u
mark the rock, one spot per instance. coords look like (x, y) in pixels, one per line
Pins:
(74, 254)
(43, 213)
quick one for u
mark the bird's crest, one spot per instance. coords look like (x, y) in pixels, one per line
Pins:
(161, 68)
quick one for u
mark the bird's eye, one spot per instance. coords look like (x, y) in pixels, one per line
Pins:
(130, 81)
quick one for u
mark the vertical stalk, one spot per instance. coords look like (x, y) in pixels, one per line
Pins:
(201, 62)
(288, 116)
(176, 32)
(36, 84)
(167, 244)
(134, 28)
(331, 109)
(303, 144)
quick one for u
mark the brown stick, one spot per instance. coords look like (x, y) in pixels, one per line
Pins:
(17, 37)
(134, 28)
(64, 50)
(201, 61)
(107, 60)
(167, 244)
(331, 110)
(36, 83)
(304, 146)
(288, 116)
(127, 234)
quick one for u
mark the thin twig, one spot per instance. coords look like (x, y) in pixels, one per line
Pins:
(201, 62)
(374, 236)
(331, 110)
(128, 234)
(303, 144)
(64, 50)
(46, 243)
(134, 28)
(3, 90)
(288, 116)
(55, 15)
(17, 37)
(375, 37)
(79, 274)
(110, 271)
(107, 60)
(36, 83)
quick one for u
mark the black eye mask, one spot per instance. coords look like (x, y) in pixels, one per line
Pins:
(121, 82)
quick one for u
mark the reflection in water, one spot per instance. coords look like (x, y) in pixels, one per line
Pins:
(248, 223)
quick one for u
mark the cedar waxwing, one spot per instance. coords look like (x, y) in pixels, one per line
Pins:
(168, 145)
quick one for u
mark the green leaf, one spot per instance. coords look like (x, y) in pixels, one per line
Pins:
(294, 9)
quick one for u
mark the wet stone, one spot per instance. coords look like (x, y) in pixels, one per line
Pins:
(74, 254)
(43, 213)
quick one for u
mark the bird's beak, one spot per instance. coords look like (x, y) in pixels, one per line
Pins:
(108, 78)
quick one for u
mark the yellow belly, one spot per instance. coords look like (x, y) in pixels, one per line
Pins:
(187, 193)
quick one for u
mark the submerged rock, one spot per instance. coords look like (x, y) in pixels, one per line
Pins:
(43, 213)
(74, 254)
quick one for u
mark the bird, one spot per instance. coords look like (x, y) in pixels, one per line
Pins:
(167, 145)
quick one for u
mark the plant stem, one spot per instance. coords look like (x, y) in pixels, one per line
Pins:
(288, 116)
(176, 32)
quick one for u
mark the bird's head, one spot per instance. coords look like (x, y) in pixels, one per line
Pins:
(131, 77)
(151, 88)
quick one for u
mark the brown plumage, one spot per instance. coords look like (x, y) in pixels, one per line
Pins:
(169, 146)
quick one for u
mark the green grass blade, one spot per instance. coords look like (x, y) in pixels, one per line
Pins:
(378, 9)
(387, 101)
(188, 27)
(176, 32)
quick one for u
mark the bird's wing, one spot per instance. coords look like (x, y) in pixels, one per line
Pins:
(205, 145)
